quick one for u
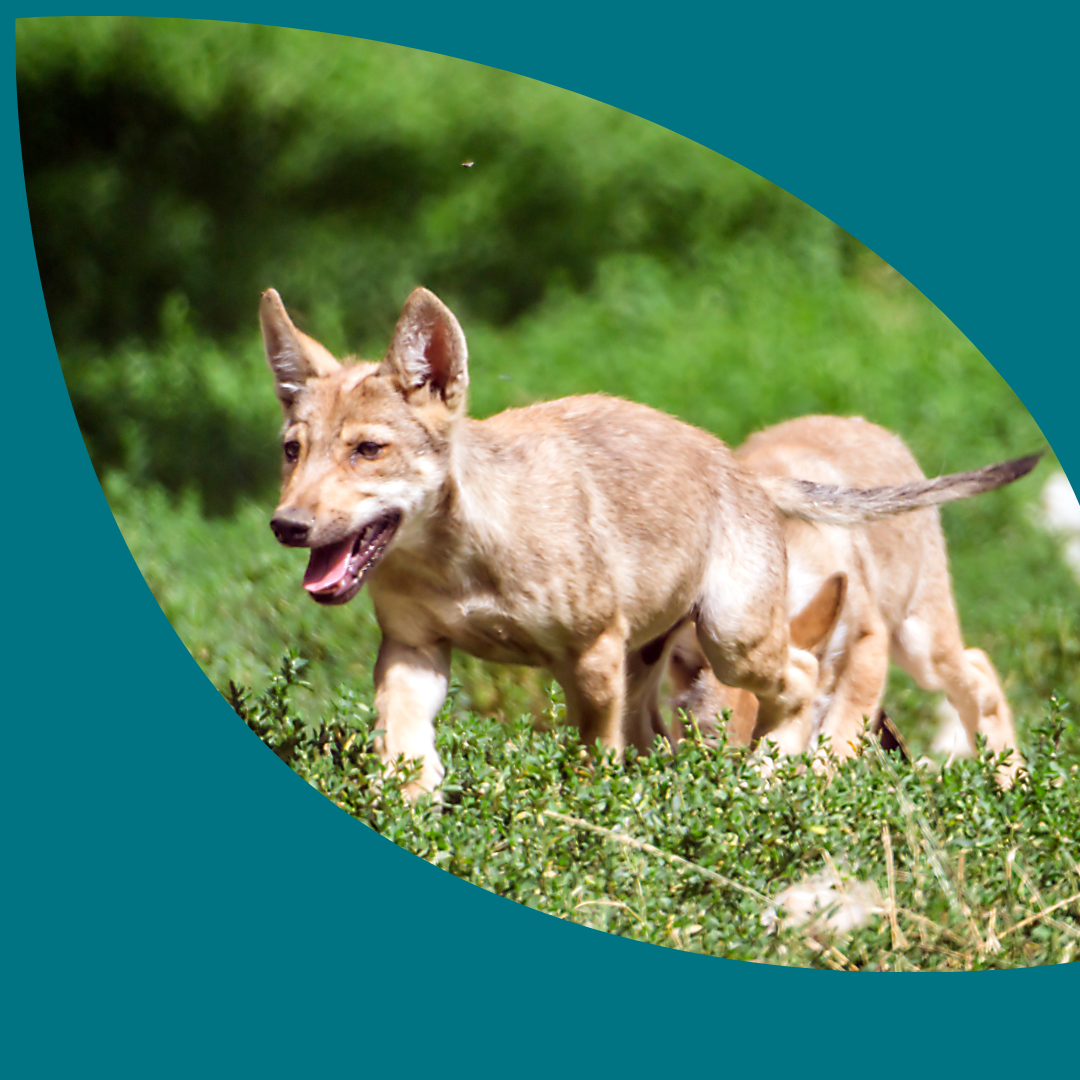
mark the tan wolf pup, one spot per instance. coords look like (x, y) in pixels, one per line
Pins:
(562, 535)
(898, 600)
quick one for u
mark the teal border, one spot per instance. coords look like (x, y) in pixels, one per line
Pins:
(156, 923)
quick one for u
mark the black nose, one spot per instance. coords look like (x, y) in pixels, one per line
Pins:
(292, 527)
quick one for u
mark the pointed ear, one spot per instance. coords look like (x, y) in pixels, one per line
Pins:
(815, 623)
(428, 349)
(293, 356)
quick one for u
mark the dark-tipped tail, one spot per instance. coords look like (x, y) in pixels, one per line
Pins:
(854, 506)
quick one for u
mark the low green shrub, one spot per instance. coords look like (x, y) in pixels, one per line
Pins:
(686, 850)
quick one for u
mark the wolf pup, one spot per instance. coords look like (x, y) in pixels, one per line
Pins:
(562, 535)
(897, 603)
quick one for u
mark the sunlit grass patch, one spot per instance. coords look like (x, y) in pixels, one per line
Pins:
(691, 850)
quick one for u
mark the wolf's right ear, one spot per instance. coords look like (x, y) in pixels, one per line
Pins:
(293, 356)
(428, 349)
(815, 623)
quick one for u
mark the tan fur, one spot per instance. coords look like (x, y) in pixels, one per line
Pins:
(695, 690)
(563, 535)
(898, 602)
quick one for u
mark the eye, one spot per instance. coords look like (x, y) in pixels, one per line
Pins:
(292, 450)
(369, 450)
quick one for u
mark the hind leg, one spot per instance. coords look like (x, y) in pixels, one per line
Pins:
(643, 721)
(742, 628)
(859, 688)
(785, 710)
(995, 716)
(697, 691)
(928, 646)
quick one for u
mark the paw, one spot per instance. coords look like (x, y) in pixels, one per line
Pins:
(824, 764)
(415, 791)
(764, 764)
(1006, 773)
(427, 783)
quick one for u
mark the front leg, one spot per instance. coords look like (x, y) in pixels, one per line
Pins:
(410, 688)
(595, 685)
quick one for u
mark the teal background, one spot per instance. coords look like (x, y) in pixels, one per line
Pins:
(155, 923)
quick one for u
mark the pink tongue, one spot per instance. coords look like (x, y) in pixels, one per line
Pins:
(327, 565)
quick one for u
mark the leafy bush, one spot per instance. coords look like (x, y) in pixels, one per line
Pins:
(687, 850)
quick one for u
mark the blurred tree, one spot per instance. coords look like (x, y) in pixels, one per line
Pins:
(211, 159)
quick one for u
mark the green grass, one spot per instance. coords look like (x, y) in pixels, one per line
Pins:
(687, 851)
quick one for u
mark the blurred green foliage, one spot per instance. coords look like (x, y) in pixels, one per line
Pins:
(214, 159)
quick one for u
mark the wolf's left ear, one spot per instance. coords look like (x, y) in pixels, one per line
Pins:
(428, 349)
(292, 355)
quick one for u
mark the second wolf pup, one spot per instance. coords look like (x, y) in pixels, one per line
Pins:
(898, 601)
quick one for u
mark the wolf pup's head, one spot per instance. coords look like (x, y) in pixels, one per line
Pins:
(366, 446)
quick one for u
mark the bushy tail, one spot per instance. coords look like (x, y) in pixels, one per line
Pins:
(853, 506)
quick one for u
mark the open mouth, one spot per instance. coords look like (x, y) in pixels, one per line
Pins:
(335, 572)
